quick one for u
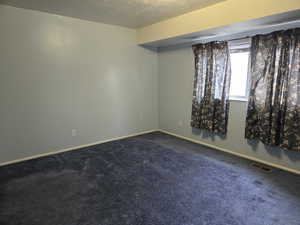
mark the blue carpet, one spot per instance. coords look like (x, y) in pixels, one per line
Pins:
(152, 179)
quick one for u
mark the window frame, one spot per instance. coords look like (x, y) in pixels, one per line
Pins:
(236, 46)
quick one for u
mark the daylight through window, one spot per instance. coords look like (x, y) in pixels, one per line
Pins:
(239, 75)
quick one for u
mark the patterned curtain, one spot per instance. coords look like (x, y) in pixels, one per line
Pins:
(274, 103)
(211, 87)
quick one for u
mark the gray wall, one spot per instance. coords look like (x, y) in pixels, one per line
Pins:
(176, 73)
(59, 73)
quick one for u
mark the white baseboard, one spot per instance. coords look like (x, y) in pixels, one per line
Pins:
(232, 152)
(74, 148)
(146, 132)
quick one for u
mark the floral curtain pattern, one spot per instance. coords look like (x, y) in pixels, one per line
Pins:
(273, 114)
(211, 87)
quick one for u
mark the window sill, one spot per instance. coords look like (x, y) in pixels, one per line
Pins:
(238, 99)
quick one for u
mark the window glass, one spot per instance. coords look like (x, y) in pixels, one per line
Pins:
(239, 74)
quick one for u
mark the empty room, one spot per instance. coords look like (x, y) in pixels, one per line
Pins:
(150, 112)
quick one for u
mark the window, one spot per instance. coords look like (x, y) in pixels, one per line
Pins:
(239, 55)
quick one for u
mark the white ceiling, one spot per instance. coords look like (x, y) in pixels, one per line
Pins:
(128, 13)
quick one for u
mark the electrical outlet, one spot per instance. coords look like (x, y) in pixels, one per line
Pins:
(74, 132)
(180, 123)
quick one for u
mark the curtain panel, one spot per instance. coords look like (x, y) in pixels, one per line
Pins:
(211, 87)
(273, 114)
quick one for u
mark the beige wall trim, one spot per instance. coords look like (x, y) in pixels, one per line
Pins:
(233, 153)
(75, 148)
(220, 14)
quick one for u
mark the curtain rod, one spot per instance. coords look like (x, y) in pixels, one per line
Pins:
(238, 39)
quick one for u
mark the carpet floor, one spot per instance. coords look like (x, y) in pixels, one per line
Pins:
(152, 179)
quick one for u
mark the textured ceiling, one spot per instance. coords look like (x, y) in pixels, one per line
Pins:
(129, 13)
